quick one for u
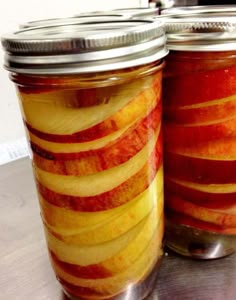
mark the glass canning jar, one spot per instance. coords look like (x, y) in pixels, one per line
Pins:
(199, 98)
(90, 97)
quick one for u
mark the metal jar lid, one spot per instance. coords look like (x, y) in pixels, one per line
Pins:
(138, 12)
(84, 48)
(209, 33)
(206, 10)
(83, 18)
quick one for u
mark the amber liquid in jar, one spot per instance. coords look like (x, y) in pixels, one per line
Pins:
(200, 153)
(97, 157)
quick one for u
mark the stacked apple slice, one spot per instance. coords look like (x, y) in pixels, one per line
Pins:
(200, 141)
(97, 157)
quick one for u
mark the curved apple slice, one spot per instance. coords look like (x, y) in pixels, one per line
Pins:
(88, 255)
(207, 195)
(116, 227)
(92, 161)
(225, 218)
(60, 124)
(67, 222)
(123, 193)
(178, 218)
(101, 182)
(65, 148)
(203, 112)
(200, 170)
(191, 135)
(153, 230)
(117, 283)
(221, 149)
(199, 87)
(208, 188)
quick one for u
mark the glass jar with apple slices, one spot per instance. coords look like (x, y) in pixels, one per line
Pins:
(90, 96)
(199, 96)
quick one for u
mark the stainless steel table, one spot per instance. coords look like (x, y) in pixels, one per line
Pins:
(25, 273)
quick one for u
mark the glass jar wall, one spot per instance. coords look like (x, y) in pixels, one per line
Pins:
(200, 152)
(97, 159)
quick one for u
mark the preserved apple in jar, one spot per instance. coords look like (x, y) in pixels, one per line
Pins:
(96, 140)
(200, 137)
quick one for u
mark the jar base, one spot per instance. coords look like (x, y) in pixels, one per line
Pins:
(138, 291)
(197, 243)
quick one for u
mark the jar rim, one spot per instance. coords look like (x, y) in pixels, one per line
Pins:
(90, 47)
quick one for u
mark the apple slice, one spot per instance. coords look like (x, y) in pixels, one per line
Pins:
(199, 87)
(101, 182)
(178, 218)
(203, 112)
(60, 123)
(117, 283)
(200, 170)
(220, 149)
(112, 229)
(52, 149)
(225, 218)
(209, 195)
(109, 228)
(92, 161)
(192, 62)
(61, 220)
(123, 259)
(189, 135)
(119, 195)
(89, 255)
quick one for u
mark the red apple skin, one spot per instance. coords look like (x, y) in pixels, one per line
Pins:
(123, 193)
(220, 149)
(199, 87)
(200, 170)
(93, 272)
(80, 291)
(108, 125)
(178, 218)
(78, 97)
(86, 293)
(187, 136)
(203, 114)
(223, 218)
(92, 161)
(205, 199)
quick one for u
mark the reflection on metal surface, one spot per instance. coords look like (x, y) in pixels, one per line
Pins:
(196, 243)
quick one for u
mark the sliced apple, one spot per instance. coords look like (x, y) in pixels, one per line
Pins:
(53, 149)
(92, 161)
(116, 284)
(88, 255)
(200, 170)
(202, 112)
(126, 257)
(101, 182)
(225, 218)
(115, 197)
(220, 149)
(65, 124)
(188, 135)
(67, 221)
(110, 230)
(208, 195)
(109, 227)
(179, 218)
(180, 63)
(199, 87)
